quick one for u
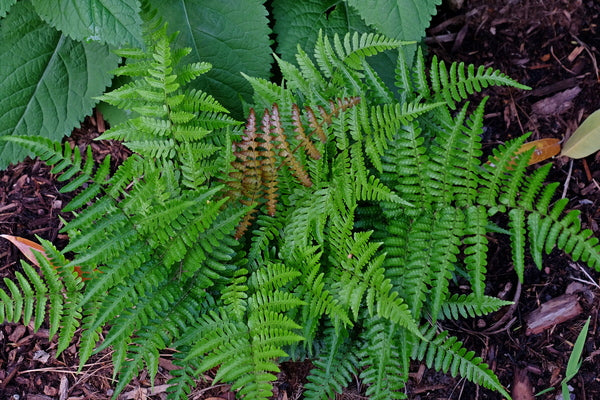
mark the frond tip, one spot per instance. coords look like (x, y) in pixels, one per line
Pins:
(445, 353)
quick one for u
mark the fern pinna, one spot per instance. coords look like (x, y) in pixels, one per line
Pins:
(331, 235)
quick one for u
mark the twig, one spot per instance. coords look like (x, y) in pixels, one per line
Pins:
(590, 280)
(198, 393)
(502, 323)
(560, 62)
(592, 58)
(564, 193)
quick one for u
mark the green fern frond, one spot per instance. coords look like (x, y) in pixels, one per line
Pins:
(19, 302)
(380, 361)
(308, 69)
(546, 232)
(143, 352)
(235, 296)
(446, 241)
(58, 287)
(318, 299)
(457, 83)
(517, 230)
(419, 75)
(333, 369)
(476, 248)
(470, 306)
(404, 165)
(498, 171)
(182, 381)
(245, 349)
(533, 184)
(445, 353)
(356, 47)
(385, 122)
(64, 159)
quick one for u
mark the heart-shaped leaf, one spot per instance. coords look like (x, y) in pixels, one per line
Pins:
(585, 140)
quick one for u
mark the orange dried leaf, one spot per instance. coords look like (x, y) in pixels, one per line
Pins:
(26, 247)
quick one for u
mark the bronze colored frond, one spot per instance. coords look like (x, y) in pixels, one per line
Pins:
(340, 104)
(269, 168)
(261, 153)
(284, 149)
(311, 150)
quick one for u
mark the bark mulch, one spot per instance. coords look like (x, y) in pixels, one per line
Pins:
(553, 47)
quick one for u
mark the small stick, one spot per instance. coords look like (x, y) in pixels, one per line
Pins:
(592, 58)
(586, 168)
(564, 193)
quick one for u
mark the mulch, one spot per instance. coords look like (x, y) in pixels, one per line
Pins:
(553, 47)
(550, 45)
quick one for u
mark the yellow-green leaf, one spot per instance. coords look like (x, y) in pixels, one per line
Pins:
(585, 140)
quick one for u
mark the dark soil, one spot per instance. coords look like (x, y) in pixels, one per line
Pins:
(551, 46)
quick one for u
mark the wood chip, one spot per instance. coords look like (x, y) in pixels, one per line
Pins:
(575, 53)
(553, 312)
(522, 389)
(41, 356)
(557, 104)
(63, 389)
(143, 393)
(17, 333)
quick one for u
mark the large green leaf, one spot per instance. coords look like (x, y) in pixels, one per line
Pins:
(299, 23)
(115, 22)
(47, 80)
(5, 5)
(398, 19)
(232, 35)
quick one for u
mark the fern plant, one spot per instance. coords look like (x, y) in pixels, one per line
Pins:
(331, 230)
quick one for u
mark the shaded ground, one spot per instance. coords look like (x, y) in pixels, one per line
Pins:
(552, 46)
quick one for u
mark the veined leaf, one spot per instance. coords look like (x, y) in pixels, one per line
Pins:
(47, 80)
(543, 149)
(585, 140)
(115, 22)
(297, 23)
(231, 35)
(5, 5)
(403, 19)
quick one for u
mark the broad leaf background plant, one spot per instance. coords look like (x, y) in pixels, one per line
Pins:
(57, 59)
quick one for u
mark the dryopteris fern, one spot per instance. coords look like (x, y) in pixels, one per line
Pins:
(362, 213)
(260, 155)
